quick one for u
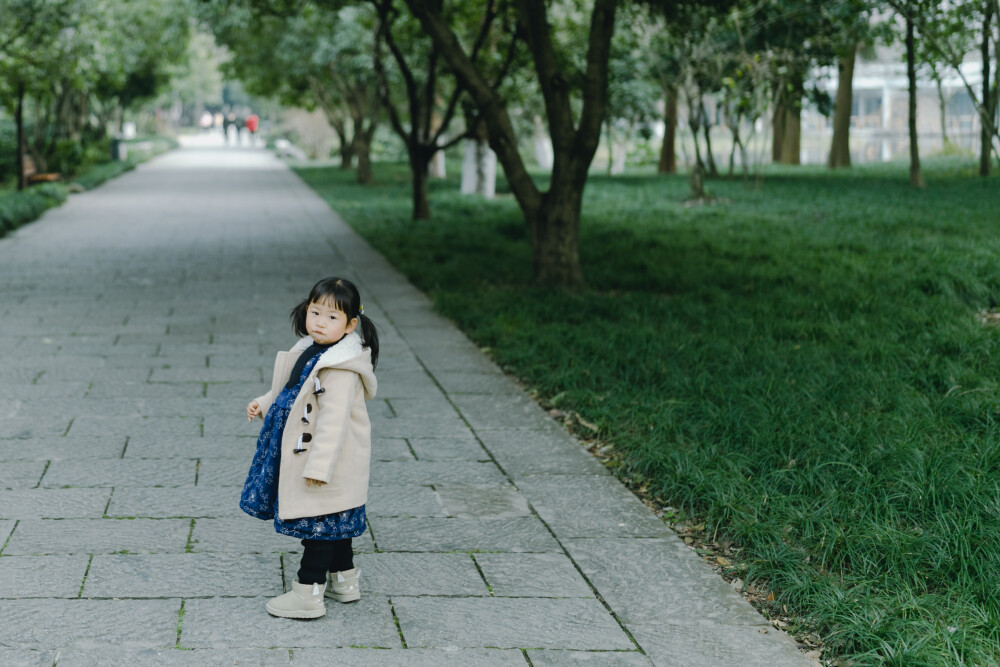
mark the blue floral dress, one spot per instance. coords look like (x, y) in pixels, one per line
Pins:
(260, 492)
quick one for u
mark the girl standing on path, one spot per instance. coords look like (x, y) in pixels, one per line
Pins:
(310, 470)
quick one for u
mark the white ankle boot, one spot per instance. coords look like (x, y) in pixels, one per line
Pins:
(303, 601)
(344, 586)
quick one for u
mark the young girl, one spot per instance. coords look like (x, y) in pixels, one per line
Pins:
(310, 471)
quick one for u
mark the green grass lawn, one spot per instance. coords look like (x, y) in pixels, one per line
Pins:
(802, 367)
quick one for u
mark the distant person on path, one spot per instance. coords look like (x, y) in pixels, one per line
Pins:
(228, 121)
(310, 470)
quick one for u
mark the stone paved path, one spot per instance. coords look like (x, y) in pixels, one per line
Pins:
(136, 322)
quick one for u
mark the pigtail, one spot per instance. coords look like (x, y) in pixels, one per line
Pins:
(298, 318)
(370, 335)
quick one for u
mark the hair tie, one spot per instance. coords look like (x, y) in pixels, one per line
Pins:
(361, 309)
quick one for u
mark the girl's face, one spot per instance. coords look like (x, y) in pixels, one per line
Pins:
(327, 324)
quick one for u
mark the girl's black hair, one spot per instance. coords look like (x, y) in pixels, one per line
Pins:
(344, 296)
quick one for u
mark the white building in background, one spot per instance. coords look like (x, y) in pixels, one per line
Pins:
(879, 111)
(879, 121)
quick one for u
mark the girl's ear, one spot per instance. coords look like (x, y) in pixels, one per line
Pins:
(351, 326)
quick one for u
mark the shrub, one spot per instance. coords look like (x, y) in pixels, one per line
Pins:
(18, 208)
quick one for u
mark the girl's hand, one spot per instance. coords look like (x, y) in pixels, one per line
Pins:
(314, 482)
(253, 410)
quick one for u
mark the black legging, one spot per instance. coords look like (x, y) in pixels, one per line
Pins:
(322, 556)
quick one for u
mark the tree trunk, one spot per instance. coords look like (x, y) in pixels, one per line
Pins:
(694, 124)
(788, 122)
(713, 171)
(778, 123)
(22, 181)
(419, 163)
(555, 257)
(943, 107)
(346, 147)
(916, 178)
(668, 160)
(607, 133)
(985, 135)
(364, 173)
(791, 142)
(737, 143)
(840, 147)
(362, 148)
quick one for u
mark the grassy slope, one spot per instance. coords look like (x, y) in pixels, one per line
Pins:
(802, 366)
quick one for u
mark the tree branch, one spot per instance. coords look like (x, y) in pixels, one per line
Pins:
(484, 30)
(383, 87)
(384, 8)
(502, 137)
(456, 95)
(595, 85)
(430, 96)
(534, 23)
(508, 62)
(464, 135)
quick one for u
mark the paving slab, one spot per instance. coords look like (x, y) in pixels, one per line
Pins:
(643, 584)
(500, 502)
(27, 658)
(183, 575)
(21, 474)
(747, 646)
(174, 657)
(70, 448)
(522, 452)
(53, 503)
(55, 623)
(448, 449)
(26, 428)
(410, 657)
(198, 501)
(508, 623)
(420, 574)
(463, 382)
(590, 506)
(486, 411)
(427, 426)
(532, 575)
(98, 536)
(399, 501)
(87, 426)
(559, 658)
(520, 534)
(164, 446)
(437, 472)
(42, 576)
(120, 473)
(391, 449)
(6, 526)
(223, 471)
(244, 623)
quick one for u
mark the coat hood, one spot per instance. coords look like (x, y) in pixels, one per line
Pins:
(350, 355)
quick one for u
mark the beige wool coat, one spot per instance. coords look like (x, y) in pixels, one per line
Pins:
(329, 421)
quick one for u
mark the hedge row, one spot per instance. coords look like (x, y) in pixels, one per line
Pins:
(103, 172)
(19, 208)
